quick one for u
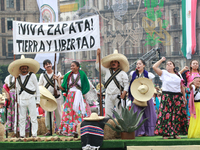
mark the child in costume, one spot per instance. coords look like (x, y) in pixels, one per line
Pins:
(194, 103)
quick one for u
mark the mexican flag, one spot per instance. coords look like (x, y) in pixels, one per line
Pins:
(189, 8)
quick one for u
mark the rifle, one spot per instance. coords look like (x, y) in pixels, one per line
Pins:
(6, 116)
(56, 95)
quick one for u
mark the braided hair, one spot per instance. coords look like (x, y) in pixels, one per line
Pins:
(143, 62)
(78, 65)
(175, 71)
(191, 67)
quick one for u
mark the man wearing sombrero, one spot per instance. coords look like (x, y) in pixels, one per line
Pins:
(27, 89)
(114, 66)
(46, 80)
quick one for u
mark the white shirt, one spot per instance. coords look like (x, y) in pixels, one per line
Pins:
(170, 82)
(150, 75)
(43, 81)
(121, 77)
(31, 85)
(7, 81)
(197, 97)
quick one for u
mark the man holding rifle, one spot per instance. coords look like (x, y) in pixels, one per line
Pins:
(46, 80)
(27, 89)
(114, 66)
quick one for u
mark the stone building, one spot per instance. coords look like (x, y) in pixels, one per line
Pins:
(134, 27)
(20, 10)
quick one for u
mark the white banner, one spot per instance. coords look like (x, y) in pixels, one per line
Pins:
(59, 37)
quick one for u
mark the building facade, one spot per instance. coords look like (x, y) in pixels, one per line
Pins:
(134, 27)
(20, 10)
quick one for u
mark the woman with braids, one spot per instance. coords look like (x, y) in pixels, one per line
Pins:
(172, 117)
(188, 75)
(147, 129)
(75, 85)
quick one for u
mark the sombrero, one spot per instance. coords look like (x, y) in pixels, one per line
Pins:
(98, 86)
(124, 64)
(139, 103)
(47, 100)
(33, 65)
(94, 117)
(142, 89)
(2, 99)
(155, 91)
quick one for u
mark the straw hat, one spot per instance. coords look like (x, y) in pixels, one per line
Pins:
(98, 86)
(142, 89)
(139, 103)
(2, 99)
(94, 117)
(33, 65)
(155, 91)
(47, 100)
(159, 92)
(124, 64)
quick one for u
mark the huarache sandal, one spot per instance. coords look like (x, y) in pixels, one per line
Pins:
(177, 137)
(47, 134)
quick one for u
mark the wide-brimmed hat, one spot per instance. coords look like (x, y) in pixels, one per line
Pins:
(124, 64)
(98, 86)
(47, 100)
(159, 92)
(142, 89)
(2, 99)
(33, 65)
(94, 117)
(139, 103)
(155, 91)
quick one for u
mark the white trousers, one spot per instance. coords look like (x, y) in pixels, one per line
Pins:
(58, 114)
(110, 102)
(31, 105)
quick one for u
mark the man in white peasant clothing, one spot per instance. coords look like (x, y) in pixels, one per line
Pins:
(114, 66)
(46, 80)
(27, 91)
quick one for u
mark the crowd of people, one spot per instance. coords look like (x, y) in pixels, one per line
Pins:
(173, 110)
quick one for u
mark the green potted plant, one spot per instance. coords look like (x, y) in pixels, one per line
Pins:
(128, 123)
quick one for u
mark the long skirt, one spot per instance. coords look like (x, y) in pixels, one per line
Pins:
(11, 123)
(149, 125)
(172, 116)
(70, 119)
(194, 128)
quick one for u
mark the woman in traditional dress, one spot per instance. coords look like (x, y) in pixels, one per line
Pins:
(172, 117)
(147, 129)
(9, 89)
(188, 75)
(75, 85)
(194, 128)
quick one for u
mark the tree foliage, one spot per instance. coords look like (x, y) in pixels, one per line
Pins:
(3, 73)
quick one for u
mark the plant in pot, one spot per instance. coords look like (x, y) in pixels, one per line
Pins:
(128, 123)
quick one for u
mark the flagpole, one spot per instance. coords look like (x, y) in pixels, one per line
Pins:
(17, 113)
(101, 110)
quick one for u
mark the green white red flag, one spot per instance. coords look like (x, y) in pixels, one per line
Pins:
(189, 8)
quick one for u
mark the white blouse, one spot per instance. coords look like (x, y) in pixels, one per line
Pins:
(197, 97)
(170, 82)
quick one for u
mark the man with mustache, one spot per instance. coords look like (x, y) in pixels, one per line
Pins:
(46, 80)
(114, 66)
(27, 90)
